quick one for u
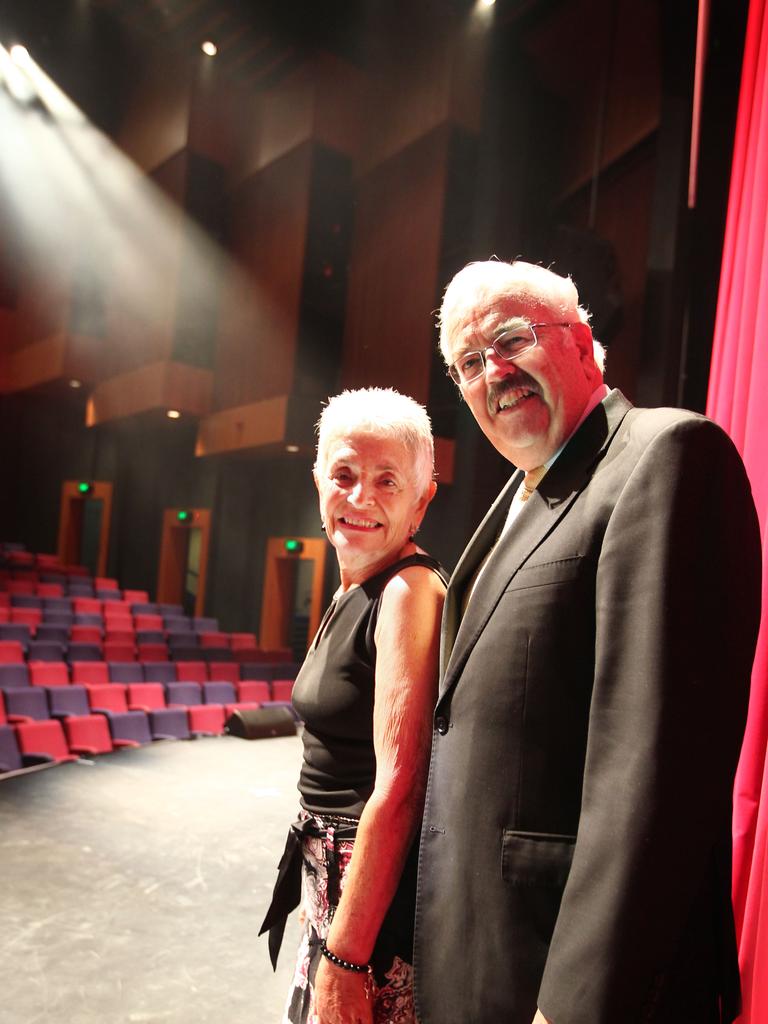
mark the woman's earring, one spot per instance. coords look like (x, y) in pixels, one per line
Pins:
(322, 526)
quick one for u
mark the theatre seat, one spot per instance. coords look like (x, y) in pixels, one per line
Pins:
(118, 651)
(282, 690)
(225, 693)
(49, 673)
(89, 673)
(253, 691)
(128, 728)
(88, 734)
(125, 672)
(13, 675)
(165, 723)
(26, 704)
(46, 650)
(152, 652)
(204, 719)
(44, 739)
(159, 672)
(224, 671)
(197, 671)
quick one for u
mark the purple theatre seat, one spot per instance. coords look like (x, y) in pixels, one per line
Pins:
(171, 609)
(11, 759)
(128, 728)
(86, 733)
(57, 604)
(216, 654)
(225, 693)
(84, 652)
(166, 723)
(268, 670)
(150, 636)
(26, 704)
(125, 672)
(204, 719)
(13, 676)
(282, 704)
(26, 601)
(205, 625)
(160, 672)
(67, 700)
(180, 636)
(177, 624)
(144, 608)
(15, 631)
(52, 633)
(56, 618)
(185, 653)
(46, 650)
(89, 619)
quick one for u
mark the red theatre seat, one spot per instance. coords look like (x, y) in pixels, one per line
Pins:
(254, 691)
(224, 671)
(195, 671)
(88, 734)
(45, 738)
(11, 651)
(282, 689)
(90, 673)
(49, 673)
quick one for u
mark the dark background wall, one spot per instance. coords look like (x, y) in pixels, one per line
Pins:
(342, 172)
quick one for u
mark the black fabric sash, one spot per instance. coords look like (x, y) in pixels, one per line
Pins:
(286, 894)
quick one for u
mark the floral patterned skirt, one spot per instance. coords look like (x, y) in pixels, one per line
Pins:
(325, 863)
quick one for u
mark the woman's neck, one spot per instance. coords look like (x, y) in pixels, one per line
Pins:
(353, 575)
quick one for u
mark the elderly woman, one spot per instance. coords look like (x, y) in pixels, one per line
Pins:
(365, 692)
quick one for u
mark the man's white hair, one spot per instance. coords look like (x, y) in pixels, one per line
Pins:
(479, 284)
(382, 413)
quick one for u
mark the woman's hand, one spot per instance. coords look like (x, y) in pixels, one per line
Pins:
(341, 997)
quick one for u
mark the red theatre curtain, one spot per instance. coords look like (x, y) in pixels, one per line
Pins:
(738, 400)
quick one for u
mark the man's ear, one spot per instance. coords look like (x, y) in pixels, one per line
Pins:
(582, 336)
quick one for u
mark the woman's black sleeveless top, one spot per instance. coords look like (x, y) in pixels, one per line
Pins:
(333, 694)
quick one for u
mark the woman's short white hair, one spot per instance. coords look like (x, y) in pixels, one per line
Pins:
(481, 283)
(379, 412)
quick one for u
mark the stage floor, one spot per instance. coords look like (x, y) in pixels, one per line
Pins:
(132, 888)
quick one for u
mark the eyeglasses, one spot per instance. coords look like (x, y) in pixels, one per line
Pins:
(509, 345)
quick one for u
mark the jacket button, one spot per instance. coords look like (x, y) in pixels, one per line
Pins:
(441, 724)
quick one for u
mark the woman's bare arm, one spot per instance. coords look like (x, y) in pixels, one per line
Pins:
(407, 644)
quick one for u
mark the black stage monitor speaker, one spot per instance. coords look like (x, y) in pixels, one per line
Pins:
(260, 723)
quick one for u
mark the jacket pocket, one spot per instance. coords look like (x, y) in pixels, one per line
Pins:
(542, 574)
(536, 858)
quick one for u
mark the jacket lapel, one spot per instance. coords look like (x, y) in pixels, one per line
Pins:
(541, 513)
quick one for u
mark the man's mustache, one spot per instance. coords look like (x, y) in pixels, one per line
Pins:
(520, 380)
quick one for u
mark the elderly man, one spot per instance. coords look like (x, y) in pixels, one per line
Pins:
(597, 642)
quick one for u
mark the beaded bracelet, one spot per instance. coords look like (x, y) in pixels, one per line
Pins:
(347, 965)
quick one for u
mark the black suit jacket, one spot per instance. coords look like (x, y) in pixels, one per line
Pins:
(575, 851)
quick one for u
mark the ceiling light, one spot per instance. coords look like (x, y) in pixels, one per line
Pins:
(487, 3)
(293, 448)
(75, 383)
(19, 54)
(173, 414)
(209, 48)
